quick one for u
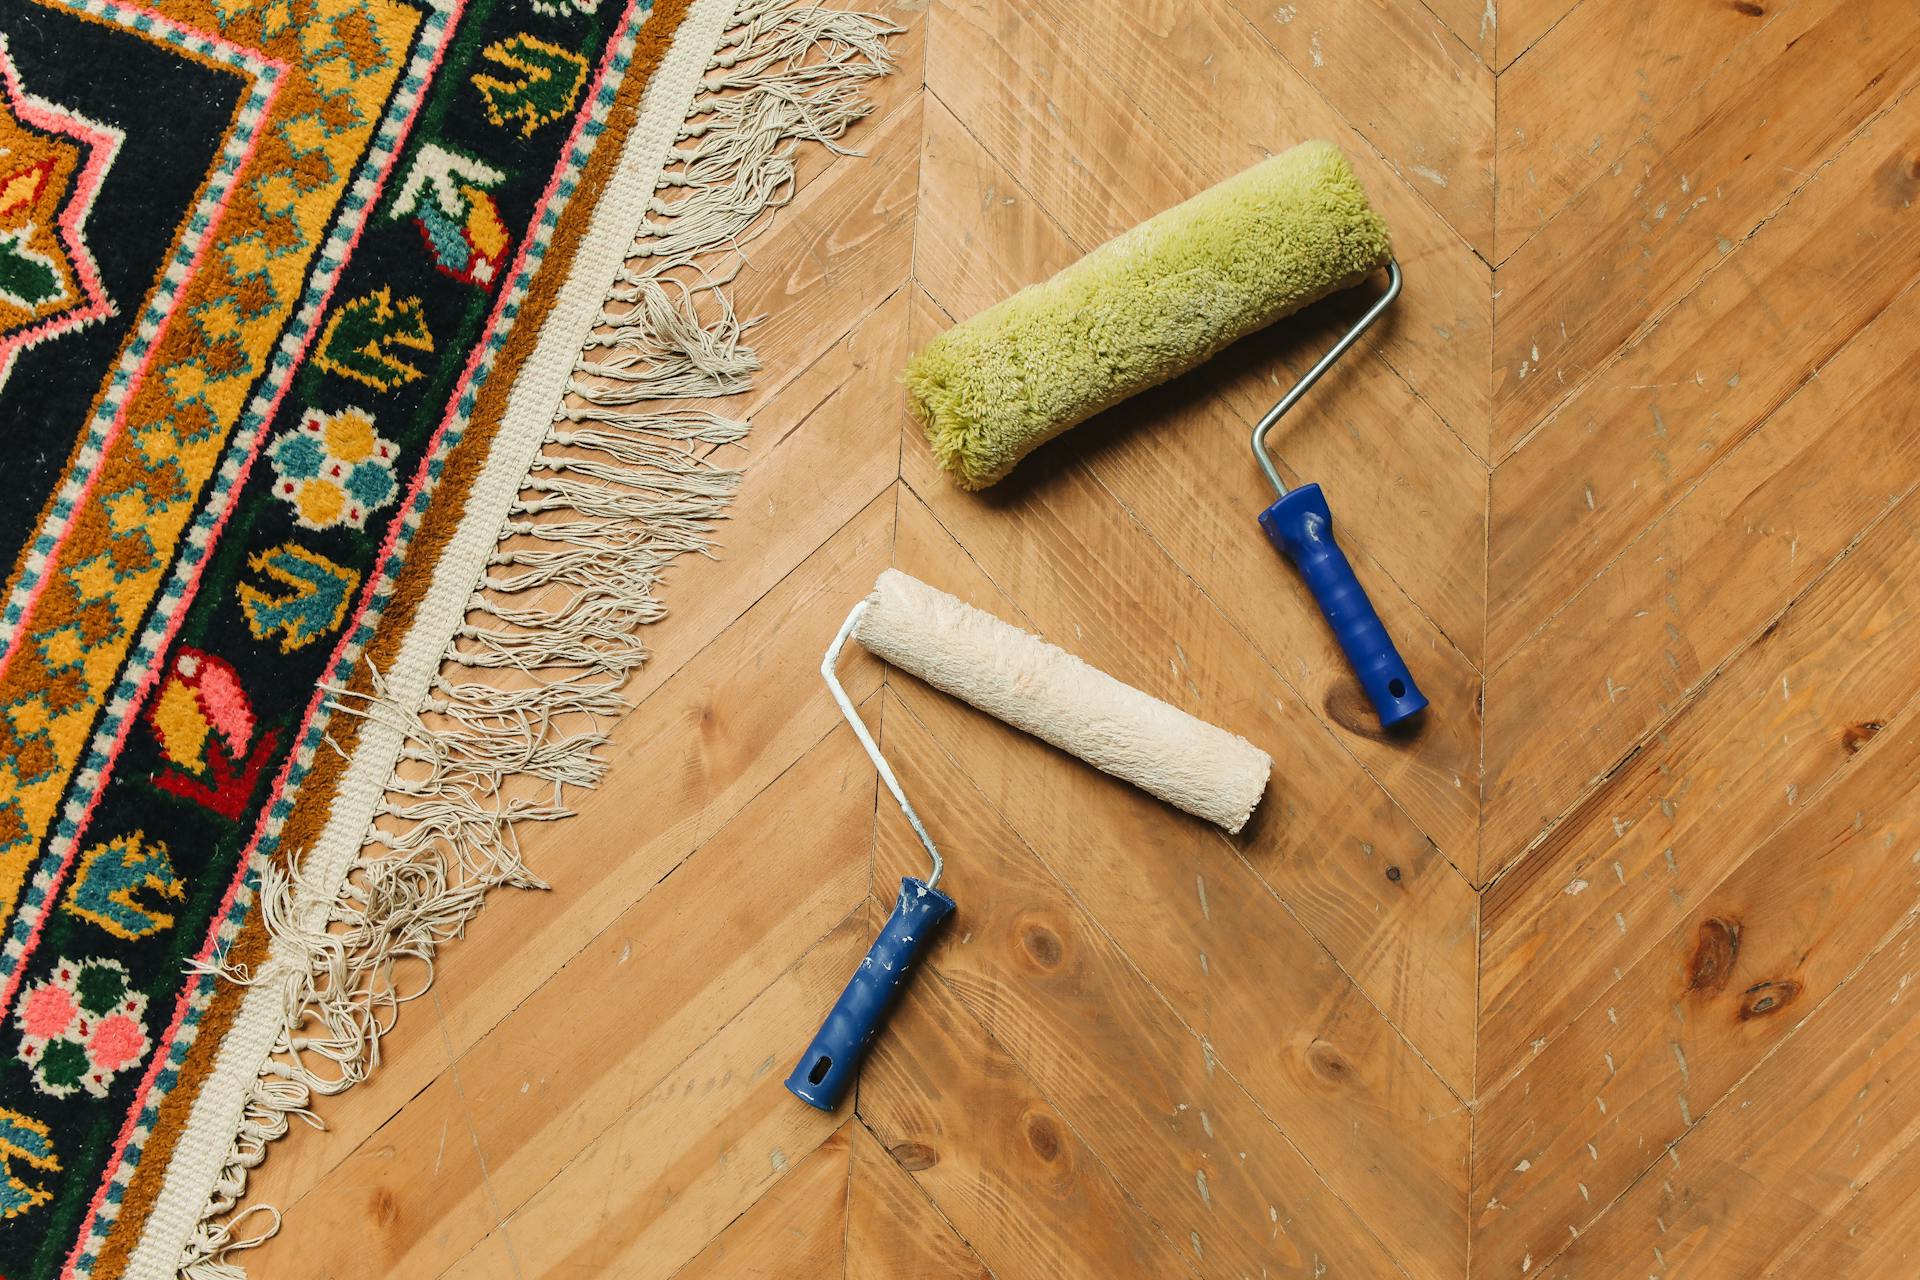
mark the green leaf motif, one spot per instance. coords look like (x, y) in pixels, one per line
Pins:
(364, 339)
(26, 279)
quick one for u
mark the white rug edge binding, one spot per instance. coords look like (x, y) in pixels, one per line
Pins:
(783, 73)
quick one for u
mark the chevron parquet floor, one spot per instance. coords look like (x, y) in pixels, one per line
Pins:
(1604, 973)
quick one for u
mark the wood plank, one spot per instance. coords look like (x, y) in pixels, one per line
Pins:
(1685, 394)
(1762, 526)
(1793, 709)
(980, 237)
(1139, 1087)
(1594, 84)
(1642, 235)
(1472, 23)
(1408, 85)
(617, 1018)
(1787, 1147)
(491, 1259)
(1277, 1013)
(649, 988)
(995, 1157)
(711, 739)
(1875, 1235)
(1602, 1101)
(409, 1202)
(794, 1231)
(893, 1230)
(693, 1152)
(413, 1056)
(1521, 24)
(1055, 93)
(1360, 875)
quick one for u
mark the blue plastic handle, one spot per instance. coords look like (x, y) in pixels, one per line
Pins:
(1301, 525)
(827, 1068)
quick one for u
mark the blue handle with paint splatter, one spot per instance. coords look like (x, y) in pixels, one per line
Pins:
(1301, 525)
(827, 1068)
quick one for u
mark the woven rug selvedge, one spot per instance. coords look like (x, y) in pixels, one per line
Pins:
(305, 456)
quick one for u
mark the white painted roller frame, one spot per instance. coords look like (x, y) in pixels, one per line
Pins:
(1035, 686)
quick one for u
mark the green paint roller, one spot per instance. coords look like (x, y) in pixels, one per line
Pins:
(1153, 303)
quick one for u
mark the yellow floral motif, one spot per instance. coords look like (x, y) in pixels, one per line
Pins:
(334, 469)
(349, 435)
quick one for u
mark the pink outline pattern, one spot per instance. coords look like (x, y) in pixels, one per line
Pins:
(103, 147)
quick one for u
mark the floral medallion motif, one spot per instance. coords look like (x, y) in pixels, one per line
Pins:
(334, 469)
(81, 1027)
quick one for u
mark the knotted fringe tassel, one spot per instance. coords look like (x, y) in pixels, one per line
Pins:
(624, 486)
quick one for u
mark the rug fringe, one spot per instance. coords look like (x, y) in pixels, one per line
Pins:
(625, 484)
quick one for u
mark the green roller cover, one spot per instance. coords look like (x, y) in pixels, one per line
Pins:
(1144, 307)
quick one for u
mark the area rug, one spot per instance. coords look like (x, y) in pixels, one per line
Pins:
(328, 546)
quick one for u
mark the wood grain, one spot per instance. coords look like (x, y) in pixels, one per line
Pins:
(541, 1081)
(1146, 1093)
(893, 1230)
(1874, 1234)
(1794, 709)
(1764, 1168)
(959, 1114)
(796, 1229)
(1594, 84)
(692, 1152)
(1685, 394)
(1669, 210)
(1520, 24)
(1420, 96)
(1657, 1050)
(1700, 582)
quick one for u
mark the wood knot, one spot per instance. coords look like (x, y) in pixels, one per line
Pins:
(1856, 736)
(1710, 967)
(1043, 1135)
(1765, 998)
(1747, 7)
(1325, 1061)
(1347, 706)
(1897, 181)
(384, 1206)
(1042, 946)
(914, 1156)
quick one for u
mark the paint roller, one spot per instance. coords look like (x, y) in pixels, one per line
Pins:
(1050, 694)
(1155, 302)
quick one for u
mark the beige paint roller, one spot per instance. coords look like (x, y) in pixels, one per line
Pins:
(1057, 698)
(1054, 696)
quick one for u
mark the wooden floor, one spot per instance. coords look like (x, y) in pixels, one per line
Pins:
(1603, 973)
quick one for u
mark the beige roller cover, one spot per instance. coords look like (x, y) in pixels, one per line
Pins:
(1057, 698)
